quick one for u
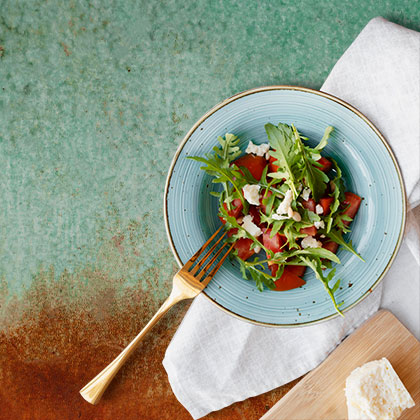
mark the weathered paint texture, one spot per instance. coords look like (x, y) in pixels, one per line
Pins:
(95, 96)
(63, 331)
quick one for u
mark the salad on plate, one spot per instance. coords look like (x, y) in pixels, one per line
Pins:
(285, 206)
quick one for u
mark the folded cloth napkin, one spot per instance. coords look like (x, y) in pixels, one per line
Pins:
(215, 359)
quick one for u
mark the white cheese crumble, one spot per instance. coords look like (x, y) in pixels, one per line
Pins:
(276, 216)
(250, 226)
(286, 208)
(319, 209)
(257, 249)
(374, 391)
(306, 193)
(285, 205)
(320, 224)
(260, 150)
(310, 242)
(251, 194)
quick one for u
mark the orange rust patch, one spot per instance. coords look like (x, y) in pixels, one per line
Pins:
(53, 343)
(65, 48)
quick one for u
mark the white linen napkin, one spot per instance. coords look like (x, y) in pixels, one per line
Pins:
(215, 359)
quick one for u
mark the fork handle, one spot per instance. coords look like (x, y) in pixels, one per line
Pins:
(92, 392)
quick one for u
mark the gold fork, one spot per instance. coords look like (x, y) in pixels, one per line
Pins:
(187, 284)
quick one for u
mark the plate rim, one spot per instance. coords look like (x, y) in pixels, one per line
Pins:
(327, 96)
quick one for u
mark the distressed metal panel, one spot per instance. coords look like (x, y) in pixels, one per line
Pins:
(94, 98)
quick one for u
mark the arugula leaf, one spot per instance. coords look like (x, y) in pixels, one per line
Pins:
(316, 180)
(281, 140)
(317, 252)
(314, 177)
(246, 175)
(336, 236)
(338, 180)
(285, 256)
(263, 179)
(339, 222)
(316, 266)
(291, 231)
(324, 140)
(266, 219)
(218, 164)
(310, 216)
(327, 264)
(239, 235)
(215, 194)
(229, 150)
(268, 202)
(279, 271)
(221, 174)
(337, 185)
(336, 285)
(277, 225)
(242, 267)
(260, 277)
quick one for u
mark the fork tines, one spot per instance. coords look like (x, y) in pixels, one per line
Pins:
(197, 270)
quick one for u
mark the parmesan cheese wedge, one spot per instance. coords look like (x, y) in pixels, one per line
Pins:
(374, 391)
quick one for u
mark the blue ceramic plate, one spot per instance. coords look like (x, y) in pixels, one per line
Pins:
(369, 169)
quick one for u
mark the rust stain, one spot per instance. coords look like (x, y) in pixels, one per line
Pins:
(65, 48)
(118, 240)
(175, 118)
(63, 332)
(59, 344)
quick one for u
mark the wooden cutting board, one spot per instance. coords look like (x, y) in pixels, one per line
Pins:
(320, 394)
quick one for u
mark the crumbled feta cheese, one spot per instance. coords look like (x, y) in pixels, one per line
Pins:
(251, 194)
(260, 150)
(286, 203)
(319, 225)
(276, 216)
(310, 242)
(322, 236)
(286, 208)
(250, 226)
(257, 249)
(319, 209)
(306, 193)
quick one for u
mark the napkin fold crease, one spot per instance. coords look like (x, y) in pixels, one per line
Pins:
(215, 359)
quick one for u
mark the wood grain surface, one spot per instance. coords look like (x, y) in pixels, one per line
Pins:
(320, 395)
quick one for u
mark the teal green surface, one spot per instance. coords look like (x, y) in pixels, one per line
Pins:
(95, 96)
